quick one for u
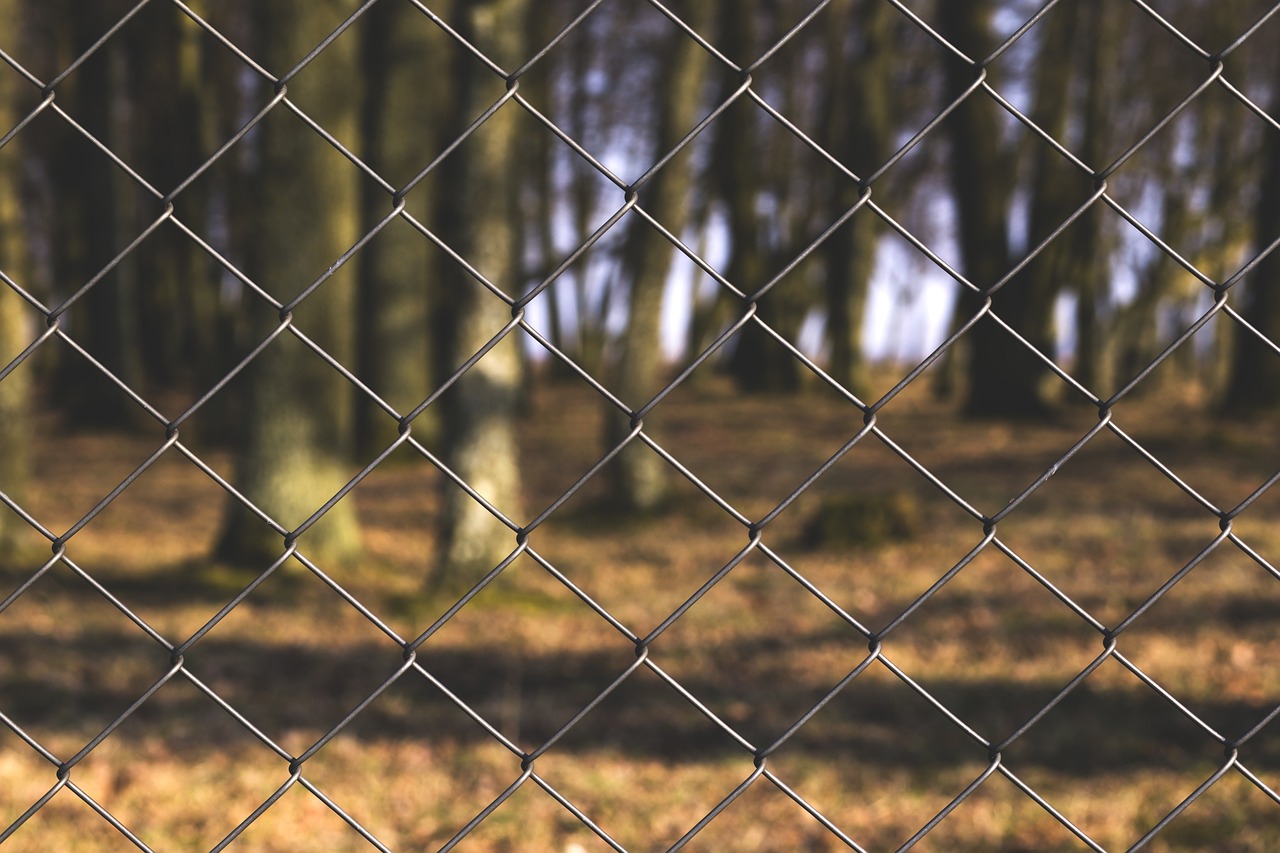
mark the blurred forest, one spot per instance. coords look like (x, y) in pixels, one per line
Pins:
(255, 163)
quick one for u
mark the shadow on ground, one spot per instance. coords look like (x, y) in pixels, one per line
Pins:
(65, 682)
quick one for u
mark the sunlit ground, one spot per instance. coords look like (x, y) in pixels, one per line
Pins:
(759, 650)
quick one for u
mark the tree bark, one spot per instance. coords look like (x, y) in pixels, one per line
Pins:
(757, 363)
(1254, 384)
(16, 329)
(96, 220)
(638, 477)
(1004, 376)
(1088, 251)
(975, 167)
(179, 320)
(858, 116)
(401, 114)
(479, 218)
(298, 421)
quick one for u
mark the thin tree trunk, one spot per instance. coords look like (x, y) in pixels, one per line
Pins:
(541, 189)
(976, 167)
(1057, 189)
(1094, 361)
(590, 334)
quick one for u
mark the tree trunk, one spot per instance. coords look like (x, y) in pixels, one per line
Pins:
(543, 198)
(1254, 385)
(178, 316)
(756, 361)
(638, 477)
(479, 217)
(1004, 376)
(96, 220)
(858, 115)
(298, 421)
(399, 123)
(977, 168)
(1094, 361)
(16, 329)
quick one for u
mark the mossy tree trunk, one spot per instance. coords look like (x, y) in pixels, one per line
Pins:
(298, 418)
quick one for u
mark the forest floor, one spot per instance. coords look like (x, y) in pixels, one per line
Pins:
(993, 645)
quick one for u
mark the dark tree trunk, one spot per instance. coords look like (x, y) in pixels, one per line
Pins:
(399, 125)
(976, 167)
(638, 476)
(1004, 377)
(858, 116)
(96, 221)
(298, 420)
(179, 320)
(1254, 384)
(742, 162)
(479, 218)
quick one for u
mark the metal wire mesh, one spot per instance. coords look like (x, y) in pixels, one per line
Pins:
(754, 758)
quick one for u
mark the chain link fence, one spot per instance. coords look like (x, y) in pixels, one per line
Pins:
(406, 657)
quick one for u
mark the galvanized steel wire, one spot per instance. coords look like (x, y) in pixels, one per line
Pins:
(755, 757)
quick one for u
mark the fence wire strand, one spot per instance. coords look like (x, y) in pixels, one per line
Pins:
(407, 658)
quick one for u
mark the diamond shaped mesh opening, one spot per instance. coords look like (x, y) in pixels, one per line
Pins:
(629, 425)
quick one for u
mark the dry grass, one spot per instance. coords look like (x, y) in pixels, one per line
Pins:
(993, 646)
